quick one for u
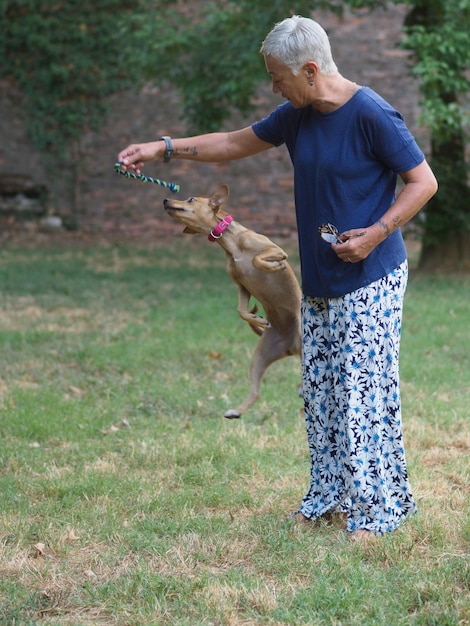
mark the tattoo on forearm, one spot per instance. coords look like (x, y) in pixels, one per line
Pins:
(383, 225)
(189, 151)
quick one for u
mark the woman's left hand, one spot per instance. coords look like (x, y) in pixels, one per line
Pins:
(357, 243)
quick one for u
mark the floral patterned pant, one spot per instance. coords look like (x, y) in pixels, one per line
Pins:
(352, 406)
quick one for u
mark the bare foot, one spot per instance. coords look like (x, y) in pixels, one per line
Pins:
(362, 536)
(299, 518)
(335, 515)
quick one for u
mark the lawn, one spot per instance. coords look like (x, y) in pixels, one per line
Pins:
(127, 498)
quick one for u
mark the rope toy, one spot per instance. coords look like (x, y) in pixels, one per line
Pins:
(173, 187)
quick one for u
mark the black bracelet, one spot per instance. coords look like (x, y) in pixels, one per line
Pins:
(168, 148)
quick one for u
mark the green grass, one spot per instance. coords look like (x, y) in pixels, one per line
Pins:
(127, 499)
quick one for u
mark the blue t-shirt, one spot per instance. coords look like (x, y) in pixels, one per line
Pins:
(345, 172)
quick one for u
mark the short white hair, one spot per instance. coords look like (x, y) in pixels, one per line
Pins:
(296, 40)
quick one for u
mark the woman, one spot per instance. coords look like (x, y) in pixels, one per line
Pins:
(347, 146)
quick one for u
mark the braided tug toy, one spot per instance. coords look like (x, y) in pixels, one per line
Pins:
(173, 187)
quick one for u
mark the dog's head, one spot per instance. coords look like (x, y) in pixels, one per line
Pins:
(199, 215)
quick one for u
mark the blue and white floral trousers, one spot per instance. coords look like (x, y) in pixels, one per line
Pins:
(352, 406)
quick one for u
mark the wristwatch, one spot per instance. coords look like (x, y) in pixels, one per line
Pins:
(168, 148)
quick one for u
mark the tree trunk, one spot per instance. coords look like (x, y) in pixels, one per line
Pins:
(446, 234)
(451, 255)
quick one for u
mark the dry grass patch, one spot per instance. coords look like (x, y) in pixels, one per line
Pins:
(127, 500)
(24, 314)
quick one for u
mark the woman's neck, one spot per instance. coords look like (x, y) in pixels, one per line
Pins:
(332, 92)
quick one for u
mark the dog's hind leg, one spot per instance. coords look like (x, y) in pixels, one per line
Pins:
(270, 348)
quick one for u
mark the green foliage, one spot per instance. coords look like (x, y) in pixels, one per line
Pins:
(219, 71)
(213, 84)
(218, 64)
(67, 56)
(438, 34)
(442, 58)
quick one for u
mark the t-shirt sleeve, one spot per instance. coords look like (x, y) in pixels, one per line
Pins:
(271, 128)
(390, 139)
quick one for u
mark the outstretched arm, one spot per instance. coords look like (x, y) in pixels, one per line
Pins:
(211, 148)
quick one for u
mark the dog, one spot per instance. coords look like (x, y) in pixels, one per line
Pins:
(260, 269)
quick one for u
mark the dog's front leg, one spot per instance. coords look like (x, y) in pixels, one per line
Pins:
(271, 259)
(257, 323)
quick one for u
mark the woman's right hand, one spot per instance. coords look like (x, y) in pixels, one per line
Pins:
(135, 155)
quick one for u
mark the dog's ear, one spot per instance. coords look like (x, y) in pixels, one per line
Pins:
(219, 197)
(189, 231)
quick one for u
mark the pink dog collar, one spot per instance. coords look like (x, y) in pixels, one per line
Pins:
(217, 232)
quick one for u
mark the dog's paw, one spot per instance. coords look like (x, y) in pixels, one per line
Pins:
(232, 414)
(271, 260)
(259, 322)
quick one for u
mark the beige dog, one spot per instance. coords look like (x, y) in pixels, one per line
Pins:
(259, 268)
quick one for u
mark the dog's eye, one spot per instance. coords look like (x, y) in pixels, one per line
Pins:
(191, 199)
